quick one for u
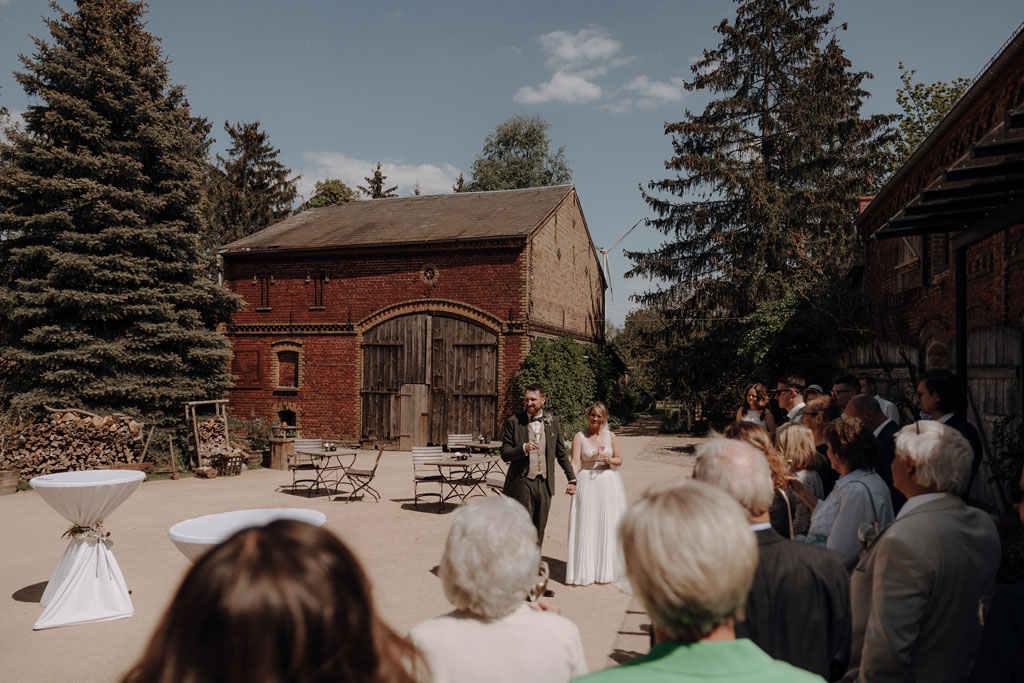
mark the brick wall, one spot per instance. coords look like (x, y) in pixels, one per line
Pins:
(566, 291)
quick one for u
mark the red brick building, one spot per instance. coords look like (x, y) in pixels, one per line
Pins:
(943, 270)
(435, 297)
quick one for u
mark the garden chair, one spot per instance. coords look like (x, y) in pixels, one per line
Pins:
(425, 474)
(459, 441)
(362, 478)
(299, 462)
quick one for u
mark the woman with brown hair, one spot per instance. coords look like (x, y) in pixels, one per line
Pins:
(781, 513)
(860, 496)
(284, 602)
(796, 441)
(755, 408)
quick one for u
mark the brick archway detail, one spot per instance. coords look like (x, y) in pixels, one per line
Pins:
(435, 306)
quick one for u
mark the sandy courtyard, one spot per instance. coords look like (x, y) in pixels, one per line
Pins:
(399, 546)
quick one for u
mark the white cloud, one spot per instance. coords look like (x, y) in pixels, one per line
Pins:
(563, 87)
(566, 50)
(5, 3)
(645, 94)
(432, 179)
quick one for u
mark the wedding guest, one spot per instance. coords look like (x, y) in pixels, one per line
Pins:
(845, 388)
(796, 441)
(488, 568)
(867, 409)
(755, 408)
(941, 397)
(691, 558)
(790, 395)
(916, 593)
(782, 509)
(813, 391)
(284, 602)
(859, 497)
(817, 413)
(891, 410)
(798, 609)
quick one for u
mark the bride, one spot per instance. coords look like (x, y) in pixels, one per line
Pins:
(597, 505)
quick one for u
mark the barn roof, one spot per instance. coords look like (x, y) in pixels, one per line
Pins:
(410, 220)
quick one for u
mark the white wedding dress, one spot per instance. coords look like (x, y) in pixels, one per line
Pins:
(594, 514)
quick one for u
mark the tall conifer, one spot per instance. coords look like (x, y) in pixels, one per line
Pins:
(103, 294)
(766, 178)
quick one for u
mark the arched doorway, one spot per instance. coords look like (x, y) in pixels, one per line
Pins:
(455, 359)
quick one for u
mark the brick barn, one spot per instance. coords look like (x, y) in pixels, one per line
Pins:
(943, 271)
(423, 307)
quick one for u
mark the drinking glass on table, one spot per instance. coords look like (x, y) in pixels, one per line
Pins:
(540, 583)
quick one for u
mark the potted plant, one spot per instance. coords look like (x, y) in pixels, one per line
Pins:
(257, 432)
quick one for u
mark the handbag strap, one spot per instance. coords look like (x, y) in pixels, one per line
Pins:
(789, 511)
(874, 510)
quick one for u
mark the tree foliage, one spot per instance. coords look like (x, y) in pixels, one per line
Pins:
(764, 191)
(375, 186)
(330, 192)
(561, 366)
(924, 106)
(250, 189)
(517, 155)
(102, 291)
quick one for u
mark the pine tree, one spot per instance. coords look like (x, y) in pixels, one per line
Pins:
(250, 189)
(517, 155)
(330, 192)
(375, 186)
(766, 177)
(103, 293)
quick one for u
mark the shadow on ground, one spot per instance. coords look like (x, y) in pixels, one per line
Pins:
(33, 593)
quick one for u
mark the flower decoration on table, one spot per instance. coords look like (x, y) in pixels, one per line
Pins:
(94, 532)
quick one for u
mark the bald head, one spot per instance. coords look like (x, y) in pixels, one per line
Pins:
(739, 470)
(866, 409)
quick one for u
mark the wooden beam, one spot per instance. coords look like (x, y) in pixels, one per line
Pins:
(1007, 218)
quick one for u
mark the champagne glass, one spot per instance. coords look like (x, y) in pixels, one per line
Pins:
(540, 583)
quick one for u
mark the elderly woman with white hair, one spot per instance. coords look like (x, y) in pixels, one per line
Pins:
(490, 563)
(690, 557)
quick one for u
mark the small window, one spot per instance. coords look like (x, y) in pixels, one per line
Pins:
(263, 281)
(288, 369)
(938, 251)
(317, 279)
(908, 263)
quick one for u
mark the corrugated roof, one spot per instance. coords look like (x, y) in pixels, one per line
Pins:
(428, 218)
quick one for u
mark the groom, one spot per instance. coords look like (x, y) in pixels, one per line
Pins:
(532, 443)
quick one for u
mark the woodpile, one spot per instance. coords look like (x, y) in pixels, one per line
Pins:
(214, 446)
(72, 439)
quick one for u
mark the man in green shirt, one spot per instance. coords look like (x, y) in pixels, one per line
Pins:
(690, 557)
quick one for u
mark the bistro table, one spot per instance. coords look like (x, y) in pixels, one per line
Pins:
(195, 536)
(87, 584)
(473, 475)
(329, 467)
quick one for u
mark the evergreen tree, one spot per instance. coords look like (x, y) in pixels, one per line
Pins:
(102, 291)
(517, 155)
(766, 179)
(250, 189)
(330, 192)
(460, 184)
(375, 186)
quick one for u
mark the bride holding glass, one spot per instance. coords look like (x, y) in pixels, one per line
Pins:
(597, 505)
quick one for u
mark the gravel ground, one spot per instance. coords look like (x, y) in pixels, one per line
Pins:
(399, 545)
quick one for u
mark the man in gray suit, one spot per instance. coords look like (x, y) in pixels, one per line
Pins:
(915, 593)
(533, 441)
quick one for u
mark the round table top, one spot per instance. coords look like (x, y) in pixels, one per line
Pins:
(194, 536)
(458, 462)
(86, 478)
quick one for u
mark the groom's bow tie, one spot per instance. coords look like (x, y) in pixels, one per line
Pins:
(538, 418)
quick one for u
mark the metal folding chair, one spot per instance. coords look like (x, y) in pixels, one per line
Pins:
(362, 478)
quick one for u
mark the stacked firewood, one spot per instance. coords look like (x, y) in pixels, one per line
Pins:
(72, 440)
(213, 440)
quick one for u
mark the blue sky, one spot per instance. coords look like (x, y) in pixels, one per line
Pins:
(342, 85)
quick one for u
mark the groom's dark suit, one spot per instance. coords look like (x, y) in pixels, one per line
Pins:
(535, 495)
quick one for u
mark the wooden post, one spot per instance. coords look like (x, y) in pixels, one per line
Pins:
(174, 465)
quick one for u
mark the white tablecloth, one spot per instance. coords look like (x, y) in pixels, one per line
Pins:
(194, 537)
(87, 584)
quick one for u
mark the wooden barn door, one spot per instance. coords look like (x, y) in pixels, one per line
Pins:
(457, 359)
(394, 353)
(464, 386)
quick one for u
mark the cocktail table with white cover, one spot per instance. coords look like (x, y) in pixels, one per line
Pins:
(87, 584)
(195, 536)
